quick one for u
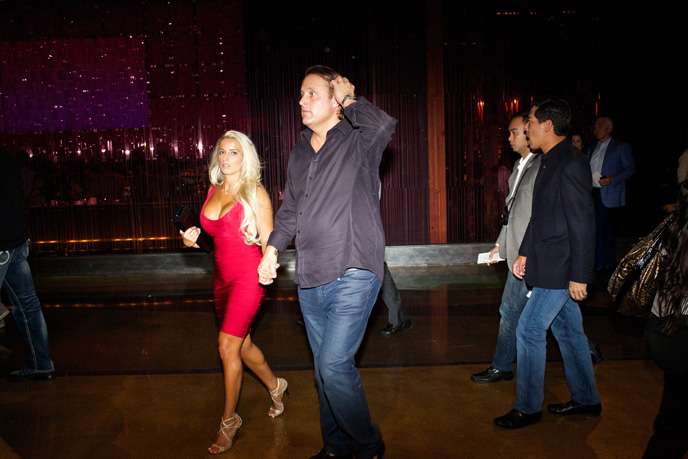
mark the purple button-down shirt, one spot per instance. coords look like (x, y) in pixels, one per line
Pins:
(331, 202)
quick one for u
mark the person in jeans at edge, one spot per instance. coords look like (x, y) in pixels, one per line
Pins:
(332, 208)
(15, 275)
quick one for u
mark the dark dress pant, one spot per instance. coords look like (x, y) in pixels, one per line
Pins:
(670, 439)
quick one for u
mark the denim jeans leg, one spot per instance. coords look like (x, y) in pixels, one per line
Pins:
(531, 343)
(514, 299)
(567, 328)
(313, 309)
(336, 315)
(5, 258)
(27, 311)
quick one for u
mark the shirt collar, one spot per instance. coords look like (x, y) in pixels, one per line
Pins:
(343, 126)
(527, 157)
(554, 150)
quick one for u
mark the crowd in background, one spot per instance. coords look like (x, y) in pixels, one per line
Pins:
(74, 180)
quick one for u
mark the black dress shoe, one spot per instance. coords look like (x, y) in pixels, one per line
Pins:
(572, 407)
(596, 356)
(491, 374)
(322, 454)
(392, 329)
(30, 375)
(516, 419)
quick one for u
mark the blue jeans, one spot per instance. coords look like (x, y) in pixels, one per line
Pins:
(514, 299)
(336, 315)
(553, 308)
(15, 276)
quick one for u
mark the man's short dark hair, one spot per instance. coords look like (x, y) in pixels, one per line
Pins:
(326, 73)
(522, 115)
(556, 110)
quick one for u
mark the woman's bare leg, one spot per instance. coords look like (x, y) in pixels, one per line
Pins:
(230, 352)
(254, 359)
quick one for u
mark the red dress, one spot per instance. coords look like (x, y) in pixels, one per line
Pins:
(236, 289)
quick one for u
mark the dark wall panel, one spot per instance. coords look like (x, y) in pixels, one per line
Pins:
(165, 79)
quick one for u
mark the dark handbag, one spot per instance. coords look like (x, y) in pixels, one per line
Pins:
(504, 216)
(185, 218)
(633, 284)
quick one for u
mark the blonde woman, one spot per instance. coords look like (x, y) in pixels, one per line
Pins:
(238, 215)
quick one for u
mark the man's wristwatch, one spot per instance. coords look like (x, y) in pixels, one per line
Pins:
(348, 96)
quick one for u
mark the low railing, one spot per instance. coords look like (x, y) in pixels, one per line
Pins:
(105, 228)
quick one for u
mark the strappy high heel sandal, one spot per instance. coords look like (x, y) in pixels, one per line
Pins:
(227, 424)
(273, 413)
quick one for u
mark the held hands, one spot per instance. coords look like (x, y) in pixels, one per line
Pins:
(190, 236)
(494, 251)
(578, 291)
(519, 267)
(342, 87)
(267, 269)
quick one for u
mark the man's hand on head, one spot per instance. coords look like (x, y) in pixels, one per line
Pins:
(342, 87)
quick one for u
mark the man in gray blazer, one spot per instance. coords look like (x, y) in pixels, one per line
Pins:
(515, 295)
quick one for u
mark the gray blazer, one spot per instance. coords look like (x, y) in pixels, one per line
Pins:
(510, 236)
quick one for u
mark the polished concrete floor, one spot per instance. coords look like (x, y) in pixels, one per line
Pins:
(139, 376)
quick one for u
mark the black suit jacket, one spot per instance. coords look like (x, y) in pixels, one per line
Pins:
(560, 239)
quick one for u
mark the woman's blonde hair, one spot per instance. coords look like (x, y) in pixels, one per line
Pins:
(245, 188)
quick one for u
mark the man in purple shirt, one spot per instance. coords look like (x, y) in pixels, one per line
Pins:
(331, 206)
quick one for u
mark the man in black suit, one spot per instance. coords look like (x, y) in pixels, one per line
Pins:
(559, 246)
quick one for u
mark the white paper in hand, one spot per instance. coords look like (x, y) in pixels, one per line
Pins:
(485, 257)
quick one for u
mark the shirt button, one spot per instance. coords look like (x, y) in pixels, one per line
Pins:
(300, 213)
(306, 195)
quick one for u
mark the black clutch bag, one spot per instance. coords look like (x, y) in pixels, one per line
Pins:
(185, 218)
